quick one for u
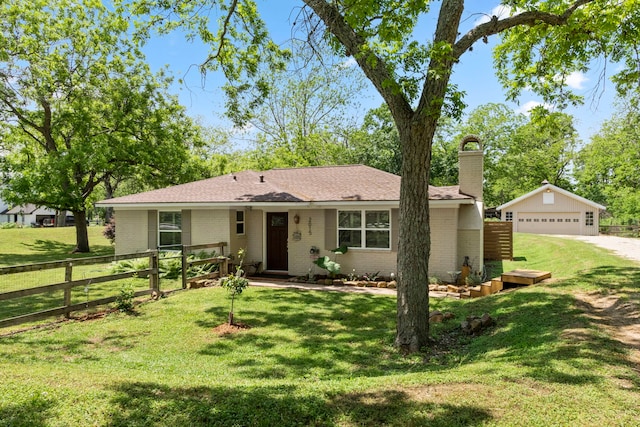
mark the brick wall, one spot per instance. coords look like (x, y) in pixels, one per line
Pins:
(131, 231)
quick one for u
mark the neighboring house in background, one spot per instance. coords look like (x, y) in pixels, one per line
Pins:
(31, 215)
(3, 209)
(552, 210)
(281, 216)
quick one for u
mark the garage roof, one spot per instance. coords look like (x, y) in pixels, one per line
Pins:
(551, 187)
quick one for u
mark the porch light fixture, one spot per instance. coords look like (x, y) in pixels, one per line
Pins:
(296, 219)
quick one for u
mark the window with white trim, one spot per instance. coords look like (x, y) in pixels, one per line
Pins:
(588, 218)
(169, 229)
(240, 222)
(364, 229)
(508, 216)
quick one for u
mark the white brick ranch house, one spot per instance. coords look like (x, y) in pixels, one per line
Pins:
(280, 215)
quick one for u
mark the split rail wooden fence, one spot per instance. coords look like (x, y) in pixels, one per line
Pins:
(52, 303)
(66, 306)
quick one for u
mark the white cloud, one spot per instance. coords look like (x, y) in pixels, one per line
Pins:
(350, 62)
(530, 105)
(500, 11)
(576, 80)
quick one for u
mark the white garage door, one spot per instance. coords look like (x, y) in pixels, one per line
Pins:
(549, 223)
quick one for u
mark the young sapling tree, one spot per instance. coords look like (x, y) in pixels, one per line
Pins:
(235, 283)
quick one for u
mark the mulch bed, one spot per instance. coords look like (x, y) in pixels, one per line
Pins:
(226, 329)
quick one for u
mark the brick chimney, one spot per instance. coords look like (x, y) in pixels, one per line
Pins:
(470, 166)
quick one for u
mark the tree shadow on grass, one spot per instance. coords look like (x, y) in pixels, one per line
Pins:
(51, 250)
(333, 334)
(280, 405)
(33, 413)
(341, 335)
(549, 335)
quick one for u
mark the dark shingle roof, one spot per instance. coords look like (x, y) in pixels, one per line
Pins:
(311, 184)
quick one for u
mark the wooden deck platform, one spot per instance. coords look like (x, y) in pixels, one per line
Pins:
(514, 277)
(524, 277)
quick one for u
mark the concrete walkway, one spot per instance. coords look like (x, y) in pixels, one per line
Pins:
(625, 247)
(315, 287)
(330, 288)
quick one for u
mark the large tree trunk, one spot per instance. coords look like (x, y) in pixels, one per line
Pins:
(416, 137)
(82, 235)
(109, 191)
(416, 129)
(415, 241)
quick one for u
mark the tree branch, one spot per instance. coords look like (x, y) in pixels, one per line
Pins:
(440, 65)
(225, 29)
(496, 26)
(372, 65)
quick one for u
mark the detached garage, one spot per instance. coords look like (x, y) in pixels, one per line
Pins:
(552, 210)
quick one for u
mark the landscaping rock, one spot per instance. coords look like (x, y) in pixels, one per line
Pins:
(453, 288)
(486, 320)
(382, 284)
(392, 284)
(473, 325)
(436, 317)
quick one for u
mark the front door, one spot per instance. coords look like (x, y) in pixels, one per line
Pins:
(277, 233)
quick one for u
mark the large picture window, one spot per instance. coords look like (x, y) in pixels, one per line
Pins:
(364, 229)
(170, 229)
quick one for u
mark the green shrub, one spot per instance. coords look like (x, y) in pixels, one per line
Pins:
(169, 265)
(109, 231)
(124, 300)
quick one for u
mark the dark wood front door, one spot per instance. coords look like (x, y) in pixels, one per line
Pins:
(277, 233)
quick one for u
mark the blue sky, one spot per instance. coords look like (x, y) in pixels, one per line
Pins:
(474, 74)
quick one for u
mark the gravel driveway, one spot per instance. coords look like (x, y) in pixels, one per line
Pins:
(625, 247)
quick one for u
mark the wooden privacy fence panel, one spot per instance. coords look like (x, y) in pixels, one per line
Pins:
(498, 240)
(68, 284)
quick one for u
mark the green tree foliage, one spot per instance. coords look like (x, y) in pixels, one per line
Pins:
(542, 43)
(377, 143)
(81, 107)
(607, 168)
(307, 116)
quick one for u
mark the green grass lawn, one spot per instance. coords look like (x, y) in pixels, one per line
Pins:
(327, 358)
(29, 245)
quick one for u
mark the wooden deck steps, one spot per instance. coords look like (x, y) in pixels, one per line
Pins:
(524, 277)
(514, 277)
